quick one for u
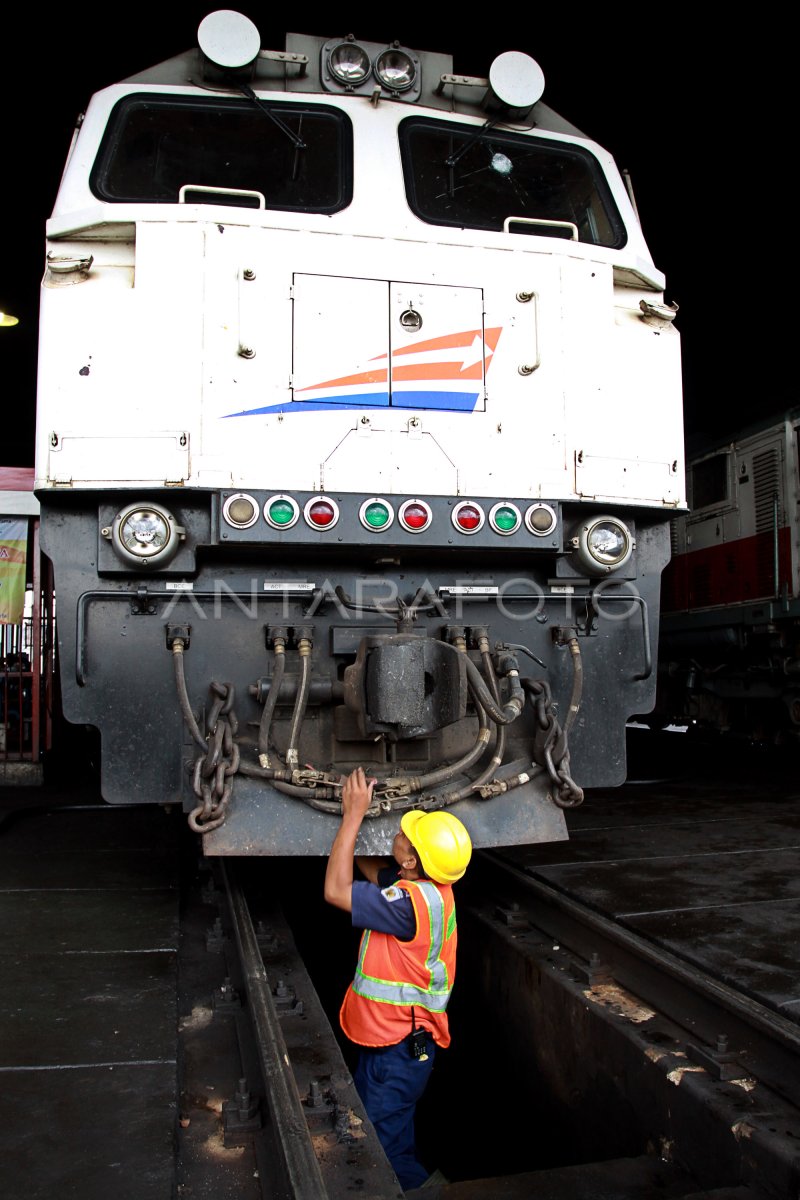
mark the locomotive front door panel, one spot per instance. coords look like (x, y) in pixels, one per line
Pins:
(439, 348)
(367, 342)
(340, 341)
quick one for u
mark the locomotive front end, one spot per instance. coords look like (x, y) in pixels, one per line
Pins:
(359, 434)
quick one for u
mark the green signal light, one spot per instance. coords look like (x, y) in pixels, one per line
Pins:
(505, 519)
(281, 512)
(376, 515)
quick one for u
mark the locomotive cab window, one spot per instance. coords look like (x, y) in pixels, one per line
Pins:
(299, 158)
(483, 179)
(709, 479)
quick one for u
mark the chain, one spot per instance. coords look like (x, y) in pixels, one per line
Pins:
(213, 774)
(550, 746)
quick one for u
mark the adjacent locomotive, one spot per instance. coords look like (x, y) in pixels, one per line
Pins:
(730, 653)
(359, 433)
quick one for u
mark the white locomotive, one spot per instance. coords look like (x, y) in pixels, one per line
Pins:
(359, 432)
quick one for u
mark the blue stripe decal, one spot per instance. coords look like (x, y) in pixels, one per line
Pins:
(458, 401)
(455, 401)
(348, 400)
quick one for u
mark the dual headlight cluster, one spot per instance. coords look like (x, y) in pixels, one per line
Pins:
(352, 65)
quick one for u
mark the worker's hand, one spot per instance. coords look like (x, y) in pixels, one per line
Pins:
(357, 794)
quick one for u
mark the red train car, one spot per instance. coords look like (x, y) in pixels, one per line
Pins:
(730, 637)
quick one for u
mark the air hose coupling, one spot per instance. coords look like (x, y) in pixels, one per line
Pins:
(508, 669)
(499, 786)
(304, 637)
(457, 636)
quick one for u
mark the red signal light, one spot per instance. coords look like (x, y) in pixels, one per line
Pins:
(415, 516)
(468, 517)
(321, 512)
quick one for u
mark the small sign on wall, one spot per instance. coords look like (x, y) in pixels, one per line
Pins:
(13, 549)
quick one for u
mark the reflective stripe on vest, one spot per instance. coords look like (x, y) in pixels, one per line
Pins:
(388, 991)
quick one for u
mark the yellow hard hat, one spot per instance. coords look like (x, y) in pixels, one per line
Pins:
(443, 843)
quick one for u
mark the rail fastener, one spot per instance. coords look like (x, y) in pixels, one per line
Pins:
(241, 1116)
(721, 1063)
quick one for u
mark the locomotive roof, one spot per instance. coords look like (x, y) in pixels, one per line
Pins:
(280, 71)
(700, 445)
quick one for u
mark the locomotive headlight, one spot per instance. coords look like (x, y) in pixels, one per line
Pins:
(349, 63)
(603, 544)
(395, 70)
(144, 535)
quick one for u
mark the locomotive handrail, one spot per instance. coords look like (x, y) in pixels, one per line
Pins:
(541, 221)
(218, 191)
(640, 600)
(132, 598)
(80, 627)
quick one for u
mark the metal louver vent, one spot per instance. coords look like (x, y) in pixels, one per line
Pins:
(673, 536)
(766, 486)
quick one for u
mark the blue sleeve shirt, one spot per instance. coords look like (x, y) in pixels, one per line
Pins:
(384, 907)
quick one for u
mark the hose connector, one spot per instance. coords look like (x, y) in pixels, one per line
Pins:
(499, 786)
(457, 636)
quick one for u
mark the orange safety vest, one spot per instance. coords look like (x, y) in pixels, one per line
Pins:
(393, 976)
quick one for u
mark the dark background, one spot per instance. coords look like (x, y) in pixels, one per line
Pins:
(696, 108)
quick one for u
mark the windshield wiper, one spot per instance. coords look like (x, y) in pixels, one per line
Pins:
(452, 159)
(294, 138)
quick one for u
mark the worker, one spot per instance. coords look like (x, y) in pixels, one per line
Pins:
(394, 1010)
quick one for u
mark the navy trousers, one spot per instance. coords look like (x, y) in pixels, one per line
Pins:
(390, 1082)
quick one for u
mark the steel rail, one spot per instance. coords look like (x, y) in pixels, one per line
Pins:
(762, 1038)
(293, 1140)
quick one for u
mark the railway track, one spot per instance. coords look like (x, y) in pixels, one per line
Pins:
(732, 1034)
(620, 1050)
(291, 1124)
(678, 1084)
(588, 1058)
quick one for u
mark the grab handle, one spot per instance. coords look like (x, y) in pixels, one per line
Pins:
(541, 221)
(216, 191)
